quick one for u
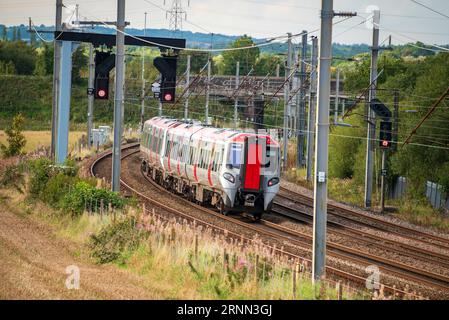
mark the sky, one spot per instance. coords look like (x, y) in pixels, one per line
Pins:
(405, 20)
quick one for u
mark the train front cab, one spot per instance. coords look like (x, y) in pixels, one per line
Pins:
(255, 166)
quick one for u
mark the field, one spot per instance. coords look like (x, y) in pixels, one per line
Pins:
(36, 139)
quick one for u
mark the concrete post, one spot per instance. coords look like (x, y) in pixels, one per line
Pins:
(207, 91)
(312, 106)
(337, 93)
(286, 98)
(302, 105)
(370, 147)
(322, 136)
(118, 101)
(186, 103)
(90, 95)
(236, 100)
(382, 182)
(142, 96)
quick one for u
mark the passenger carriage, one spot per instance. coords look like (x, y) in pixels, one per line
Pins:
(231, 170)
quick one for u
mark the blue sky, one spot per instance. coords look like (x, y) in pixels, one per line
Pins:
(404, 20)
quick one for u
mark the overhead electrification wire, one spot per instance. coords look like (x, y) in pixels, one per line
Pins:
(429, 8)
(305, 131)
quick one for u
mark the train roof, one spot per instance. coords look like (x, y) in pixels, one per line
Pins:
(205, 132)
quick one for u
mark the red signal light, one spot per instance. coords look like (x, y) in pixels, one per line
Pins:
(385, 143)
(167, 97)
(101, 93)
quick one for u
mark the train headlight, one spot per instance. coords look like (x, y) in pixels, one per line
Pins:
(273, 181)
(229, 177)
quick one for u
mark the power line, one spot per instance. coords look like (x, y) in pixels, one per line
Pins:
(429, 8)
(294, 130)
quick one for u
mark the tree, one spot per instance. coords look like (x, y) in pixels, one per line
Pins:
(20, 53)
(79, 62)
(267, 63)
(44, 60)
(246, 57)
(4, 33)
(423, 159)
(16, 140)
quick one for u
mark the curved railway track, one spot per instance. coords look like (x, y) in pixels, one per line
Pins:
(302, 240)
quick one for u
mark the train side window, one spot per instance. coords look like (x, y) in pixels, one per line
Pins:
(234, 158)
(167, 148)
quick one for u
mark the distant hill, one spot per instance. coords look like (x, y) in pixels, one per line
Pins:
(205, 40)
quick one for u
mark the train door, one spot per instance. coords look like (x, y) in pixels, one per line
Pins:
(251, 171)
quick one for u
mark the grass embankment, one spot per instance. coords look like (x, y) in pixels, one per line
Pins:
(349, 191)
(179, 261)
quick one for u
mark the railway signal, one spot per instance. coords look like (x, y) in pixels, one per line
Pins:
(104, 63)
(167, 67)
(385, 136)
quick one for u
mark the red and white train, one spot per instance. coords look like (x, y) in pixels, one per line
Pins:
(228, 169)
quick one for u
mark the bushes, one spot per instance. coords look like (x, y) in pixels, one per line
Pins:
(39, 170)
(114, 240)
(12, 176)
(61, 188)
(83, 195)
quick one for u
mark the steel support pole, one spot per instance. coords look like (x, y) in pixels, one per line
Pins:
(322, 136)
(142, 109)
(207, 91)
(286, 98)
(63, 110)
(395, 120)
(337, 93)
(312, 107)
(382, 181)
(56, 72)
(236, 100)
(302, 104)
(186, 103)
(118, 101)
(371, 134)
(90, 95)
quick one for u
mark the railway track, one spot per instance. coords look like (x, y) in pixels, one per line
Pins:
(368, 220)
(371, 240)
(301, 240)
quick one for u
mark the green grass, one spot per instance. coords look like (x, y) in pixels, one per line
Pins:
(174, 265)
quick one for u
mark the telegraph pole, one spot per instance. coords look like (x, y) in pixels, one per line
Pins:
(142, 111)
(56, 70)
(337, 93)
(118, 102)
(286, 98)
(321, 151)
(312, 106)
(301, 112)
(236, 101)
(207, 90)
(370, 146)
(186, 103)
(90, 95)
